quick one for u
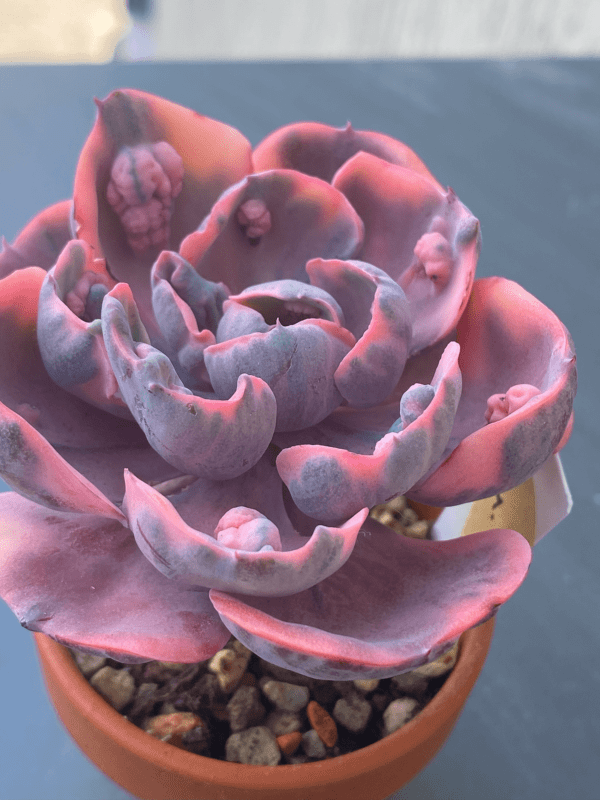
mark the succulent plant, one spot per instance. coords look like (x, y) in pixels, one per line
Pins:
(215, 360)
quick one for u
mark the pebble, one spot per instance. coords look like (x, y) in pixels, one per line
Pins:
(353, 712)
(253, 746)
(245, 710)
(288, 743)
(229, 665)
(367, 685)
(282, 722)
(313, 745)
(198, 740)
(411, 683)
(172, 727)
(323, 723)
(144, 700)
(417, 530)
(440, 666)
(88, 663)
(398, 713)
(286, 696)
(116, 686)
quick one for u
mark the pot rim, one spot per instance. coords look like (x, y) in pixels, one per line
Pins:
(473, 648)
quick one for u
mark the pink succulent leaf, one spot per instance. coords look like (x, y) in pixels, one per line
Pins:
(320, 150)
(204, 437)
(26, 388)
(298, 362)
(330, 484)
(31, 466)
(377, 313)
(240, 320)
(290, 301)
(423, 237)
(104, 466)
(69, 330)
(512, 347)
(82, 580)
(396, 604)
(245, 552)
(269, 225)
(130, 199)
(40, 242)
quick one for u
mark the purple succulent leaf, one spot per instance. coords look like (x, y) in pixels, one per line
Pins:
(239, 320)
(518, 368)
(396, 604)
(290, 301)
(40, 242)
(330, 484)
(82, 580)
(269, 225)
(423, 237)
(377, 313)
(149, 173)
(298, 362)
(33, 468)
(204, 437)
(204, 298)
(26, 388)
(69, 330)
(320, 150)
(244, 553)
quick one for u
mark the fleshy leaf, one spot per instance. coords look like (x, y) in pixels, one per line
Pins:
(185, 554)
(508, 338)
(35, 470)
(26, 388)
(214, 156)
(290, 301)
(83, 581)
(423, 237)
(377, 313)
(320, 150)
(330, 484)
(209, 438)
(69, 329)
(396, 604)
(269, 225)
(40, 242)
(298, 363)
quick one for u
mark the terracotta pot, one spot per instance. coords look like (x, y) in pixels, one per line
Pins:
(154, 770)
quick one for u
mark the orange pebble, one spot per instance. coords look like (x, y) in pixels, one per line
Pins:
(323, 723)
(288, 742)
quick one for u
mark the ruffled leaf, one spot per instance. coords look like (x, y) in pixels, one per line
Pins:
(330, 484)
(40, 242)
(423, 237)
(83, 581)
(216, 438)
(508, 339)
(268, 226)
(243, 562)
(396, 604)
(320, 150)
(377, 313)
(298, 363)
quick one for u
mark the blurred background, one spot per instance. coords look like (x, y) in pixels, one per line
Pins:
(98, 31)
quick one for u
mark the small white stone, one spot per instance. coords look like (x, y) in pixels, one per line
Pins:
(282, 722)
(398, 713)
(353, 712)
(312, 745)
(440, 666)
(366, 685)
(286, 696)
(253, 746)
(89, 663)
(116, 686)
(228, 665)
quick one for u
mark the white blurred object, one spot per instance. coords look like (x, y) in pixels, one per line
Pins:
(69, 31)
(363, 29)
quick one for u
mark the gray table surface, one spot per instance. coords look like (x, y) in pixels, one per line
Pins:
(520, 144)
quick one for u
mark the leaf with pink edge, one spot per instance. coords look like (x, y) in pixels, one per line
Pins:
(396, 604)
(320, 150)
(269, 225)
(40, 242)
(114, 602)
(245, 552)
(330, 484)
(423, 237)
(516, 358)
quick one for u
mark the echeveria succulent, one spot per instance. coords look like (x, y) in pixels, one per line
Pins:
(215, 360)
